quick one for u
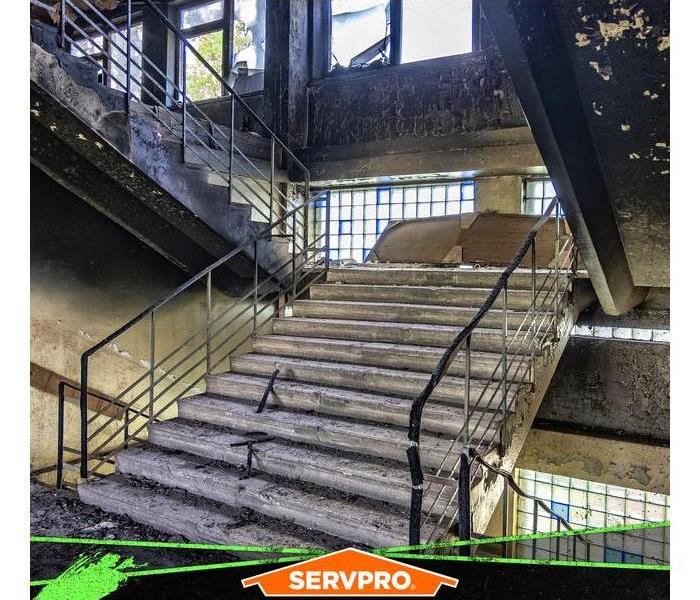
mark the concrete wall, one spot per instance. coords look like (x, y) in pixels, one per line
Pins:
(612, 387)
(501, 194)
(88, 277)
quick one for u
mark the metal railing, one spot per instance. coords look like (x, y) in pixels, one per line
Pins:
(484, 429)
(180, 358)
(252, 177)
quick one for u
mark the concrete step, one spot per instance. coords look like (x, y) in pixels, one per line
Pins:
(484, 365)
(370, 379)
(338, 402)
(194, 518)
(406, 313)
(318, 510)
(427, 276)
(380, 480)
(386, 442)
(419, 334)
(407, 294)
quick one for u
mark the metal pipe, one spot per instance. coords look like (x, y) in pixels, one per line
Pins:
(534, 309)
(232, 116)
(83, 416)
(255, 286)
(328, 230)
(558, 539)
(62, 28)
(504, 367)
(504, 548)
(464, 505)
(534, 527)
(126, 428)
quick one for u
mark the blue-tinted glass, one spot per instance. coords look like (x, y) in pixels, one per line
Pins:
(468, 191)
(613, 556)
(381, 225)
(333, 254)
(383, 196)
(561, 509)
(632, 558)
(321, 202)
(366, 253)
(346, 227)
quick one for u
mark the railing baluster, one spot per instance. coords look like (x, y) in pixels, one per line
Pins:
(208, 322)
(464, 491)
(62, 26)
(232, 146)
(504, 368)
(151, 384)
(534, 527)
(59, 449)
(558, 539)
(272, 179)
(255, 286)
(128, 57)
(504, 547)
(183, 87)
(126, 428)
(533, 343)
(328, 230)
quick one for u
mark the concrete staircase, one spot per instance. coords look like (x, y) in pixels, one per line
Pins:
(327, 454)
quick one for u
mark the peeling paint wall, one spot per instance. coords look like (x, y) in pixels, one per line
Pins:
(455, 95)
(88, 277)
(612, 386)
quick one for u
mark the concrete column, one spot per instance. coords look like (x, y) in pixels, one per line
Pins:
(158, 46)
(503, 194)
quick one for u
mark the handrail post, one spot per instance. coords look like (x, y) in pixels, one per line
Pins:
(557, 249)
(151, 383)
(128, 56)
(83, 416)
(232, 145)
(272, 178)
(305, 216)
(126, 428)
(533, 342)
(534, 527)
(558, 539)
(208, 322)
(504, 367)
(504, 548)
(464, 489)
(59, 449)
(255, 286)
(294, 255)
(183, 87)
(62, 26)
(328, 230)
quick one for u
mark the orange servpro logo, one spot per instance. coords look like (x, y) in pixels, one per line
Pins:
(350, 572)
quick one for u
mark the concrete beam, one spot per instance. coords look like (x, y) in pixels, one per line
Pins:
(531, 42)
(612, 388)
(614, 462)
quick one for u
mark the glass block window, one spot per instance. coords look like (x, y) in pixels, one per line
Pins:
(537, 194)
(585, 505)
(358, 216)
(622, 333)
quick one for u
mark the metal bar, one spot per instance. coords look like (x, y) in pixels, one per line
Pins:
(59, 447)
(534, 527)
(232, 116)
(328, 231)
(209, 322)
(255, 286)
(151, 385)
(465, 505)
(533, 256)
(62, 27)
(128, 56)
(268, 389)
(272, 176)
(83, 416)
(556, 254)
(184, 101)
(504, 549)
(504, 367)
(126, 428)
(558, 539)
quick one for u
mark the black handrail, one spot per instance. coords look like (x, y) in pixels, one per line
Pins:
(414, 423)
(510, 480)
(85, 357)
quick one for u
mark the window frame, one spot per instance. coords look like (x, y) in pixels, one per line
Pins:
(322, 38)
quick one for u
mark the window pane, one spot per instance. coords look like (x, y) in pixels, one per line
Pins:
(84, 46)
(204, 13)
(249, 38)
(431, 29)
(118, 53)
(201, 83)
(357, 25)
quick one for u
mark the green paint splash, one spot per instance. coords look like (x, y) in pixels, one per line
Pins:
(88, 578)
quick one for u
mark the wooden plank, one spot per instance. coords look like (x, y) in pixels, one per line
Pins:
(47, 381)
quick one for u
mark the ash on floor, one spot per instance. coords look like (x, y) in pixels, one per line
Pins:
(59, 513)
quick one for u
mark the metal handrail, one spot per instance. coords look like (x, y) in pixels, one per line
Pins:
(561, 521)
(151, 310)
(458, 342)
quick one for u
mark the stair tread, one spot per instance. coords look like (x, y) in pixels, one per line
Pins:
(339, 402)
(333, 513)
(413, 305)
(363, 438)
(378, 479)
(369, 378)
(196, 519)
